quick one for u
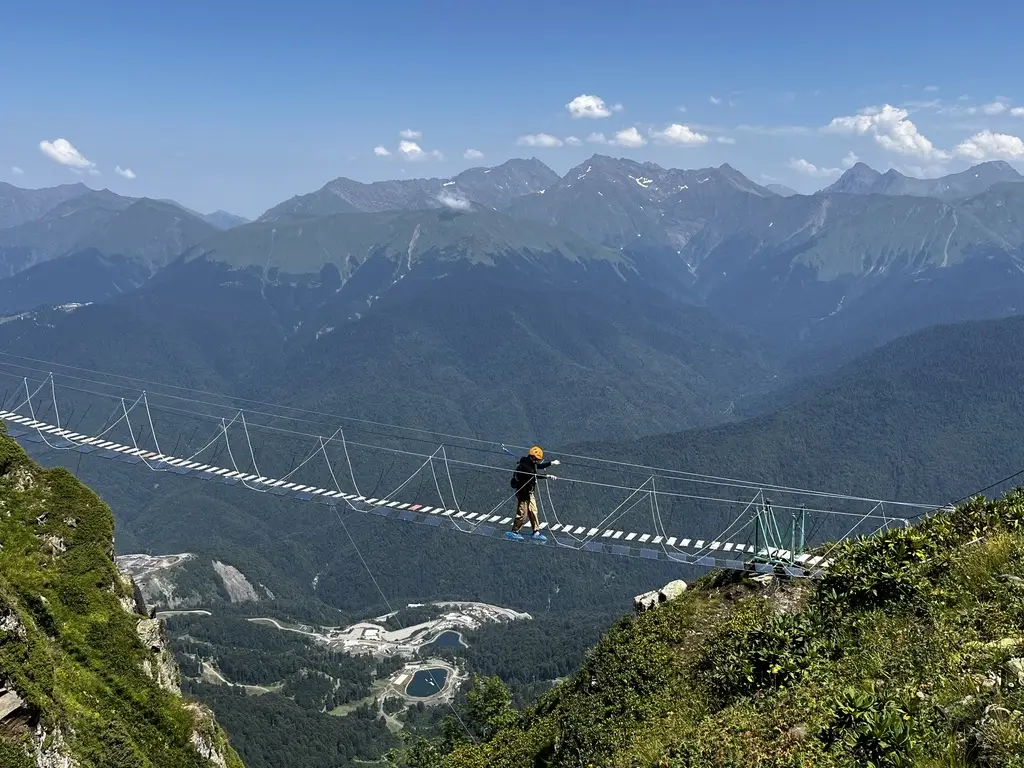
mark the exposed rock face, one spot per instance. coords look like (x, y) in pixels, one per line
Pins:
(237, 586)
(130, 596)
(650, 600)
(9, 623)
(204, 736)
(53, 545)
(10, 702)
(164, 669)
(51, 751)
(21, 479)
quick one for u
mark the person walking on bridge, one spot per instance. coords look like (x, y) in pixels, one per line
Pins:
(524, 481)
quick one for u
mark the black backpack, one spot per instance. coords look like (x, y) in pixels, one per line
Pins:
(517, 481)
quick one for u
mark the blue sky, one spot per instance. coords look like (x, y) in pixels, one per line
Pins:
(242, 105)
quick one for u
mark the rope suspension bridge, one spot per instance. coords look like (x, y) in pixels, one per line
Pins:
(759, 527)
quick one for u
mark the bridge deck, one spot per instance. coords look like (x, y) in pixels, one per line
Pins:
(607, 541)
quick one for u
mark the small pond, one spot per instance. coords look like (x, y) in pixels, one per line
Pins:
(448, 639)
(427, 683)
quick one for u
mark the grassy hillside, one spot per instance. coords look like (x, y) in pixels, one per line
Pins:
(910, 652)
(87, 677)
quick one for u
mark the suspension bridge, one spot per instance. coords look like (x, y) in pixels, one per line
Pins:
(757, 534)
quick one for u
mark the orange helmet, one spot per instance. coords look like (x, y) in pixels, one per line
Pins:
(537, 453)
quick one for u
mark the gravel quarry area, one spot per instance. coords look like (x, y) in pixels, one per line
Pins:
(376, 639)
(139, 566)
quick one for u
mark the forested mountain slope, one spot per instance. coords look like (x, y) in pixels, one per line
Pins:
(924, 418)
(451, 321)
(91, 247)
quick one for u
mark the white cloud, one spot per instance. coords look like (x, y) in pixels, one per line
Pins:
(572, 141)
(931, 88)
(1017, 111)
(473, 154)
(805, 168)
(714, 100)
(539, 140)
(680, 134)
(629, 137)
(592, 107)
(987, 145)
(995, 108)
(891, 129)
(410, 134)
(128, 173)
(64, 153)
(381, 151)
(15, 170)
(92, 172)
(681, 109)
(412, 151)
(451, 201)
(725, 140)
(850, 160)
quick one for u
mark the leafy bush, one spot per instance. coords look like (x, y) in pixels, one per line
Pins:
(754, 652)
(874, 729)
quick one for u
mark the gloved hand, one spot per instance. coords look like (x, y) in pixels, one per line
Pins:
(555, 463)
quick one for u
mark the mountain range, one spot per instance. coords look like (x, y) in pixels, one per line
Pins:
(646, 315)
(861, 179)
(805, 274)
(491, 188)
(615, 258)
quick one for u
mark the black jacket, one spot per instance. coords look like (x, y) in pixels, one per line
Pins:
(525, 478)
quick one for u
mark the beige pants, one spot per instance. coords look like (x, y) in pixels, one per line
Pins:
(526, 508)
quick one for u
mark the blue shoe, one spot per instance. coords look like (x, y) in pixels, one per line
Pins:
(513, 535)
(539, 537)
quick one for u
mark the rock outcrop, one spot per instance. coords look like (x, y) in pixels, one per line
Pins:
(238, 587)
(654, 598)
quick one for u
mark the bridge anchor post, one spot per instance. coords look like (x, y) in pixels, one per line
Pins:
(769, 541)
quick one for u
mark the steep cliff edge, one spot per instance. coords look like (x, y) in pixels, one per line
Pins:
(86, 678)
(910, 652)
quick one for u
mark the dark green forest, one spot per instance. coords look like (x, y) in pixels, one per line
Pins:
(275, 731)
